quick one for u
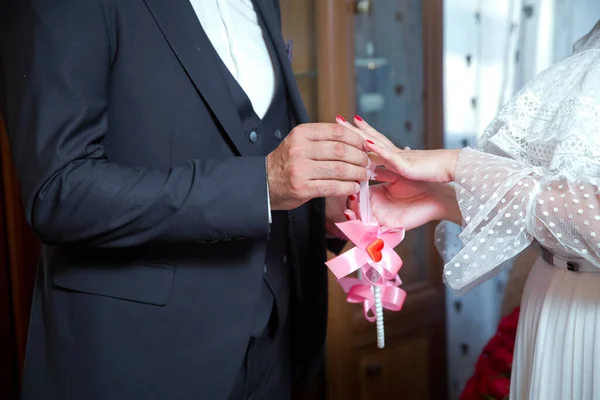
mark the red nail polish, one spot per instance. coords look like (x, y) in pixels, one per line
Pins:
(358, 118)
(352, 197)
(347, 216)
(370, 141)
(341, 118)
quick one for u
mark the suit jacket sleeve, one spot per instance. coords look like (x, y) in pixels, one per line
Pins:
(55, 61)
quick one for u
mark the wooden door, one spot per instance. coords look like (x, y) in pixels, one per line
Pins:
(413, 364)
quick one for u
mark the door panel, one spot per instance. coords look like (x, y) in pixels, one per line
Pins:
(380, 372)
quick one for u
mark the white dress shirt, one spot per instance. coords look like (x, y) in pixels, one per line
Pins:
(234, 31)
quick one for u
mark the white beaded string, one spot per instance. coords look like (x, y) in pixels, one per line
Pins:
(379, 317)
(367, 218)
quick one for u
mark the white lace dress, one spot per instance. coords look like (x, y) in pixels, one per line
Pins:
(537, 177)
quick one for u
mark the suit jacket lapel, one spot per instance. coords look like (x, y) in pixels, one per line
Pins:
(180, 26)
(271, 20)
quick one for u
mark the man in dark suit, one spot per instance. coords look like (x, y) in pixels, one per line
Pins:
(180, 203)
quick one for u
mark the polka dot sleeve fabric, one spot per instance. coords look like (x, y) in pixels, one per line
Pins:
(565, 215)
(506, 204)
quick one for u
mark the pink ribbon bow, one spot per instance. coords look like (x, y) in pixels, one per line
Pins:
(375, 256)
(392, 296)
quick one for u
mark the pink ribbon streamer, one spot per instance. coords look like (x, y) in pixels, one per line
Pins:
(380, 270)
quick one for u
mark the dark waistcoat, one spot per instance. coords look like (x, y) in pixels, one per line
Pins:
(265, 134)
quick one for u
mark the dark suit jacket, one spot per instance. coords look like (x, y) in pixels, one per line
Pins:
(138, 178)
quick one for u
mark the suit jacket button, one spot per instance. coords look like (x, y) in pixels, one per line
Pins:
(253, 136)
(265, 269)
(277, 134)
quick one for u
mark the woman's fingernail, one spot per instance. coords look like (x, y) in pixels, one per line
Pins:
(352, 197)
(358, 118)
(347, 215)
(340, 118)
(370, 141)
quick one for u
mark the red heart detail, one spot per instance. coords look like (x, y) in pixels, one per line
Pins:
(374, 250)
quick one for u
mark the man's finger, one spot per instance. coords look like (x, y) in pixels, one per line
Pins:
(329, 188)
(337, 170)
(338, 151)
(333, 132)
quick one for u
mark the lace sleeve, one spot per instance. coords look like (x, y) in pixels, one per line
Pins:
(506, 204)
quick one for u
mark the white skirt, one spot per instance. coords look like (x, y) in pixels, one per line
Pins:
(557, 352)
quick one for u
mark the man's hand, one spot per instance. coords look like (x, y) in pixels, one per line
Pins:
(315, 160)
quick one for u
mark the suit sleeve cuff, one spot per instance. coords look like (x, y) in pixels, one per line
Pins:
(268, 196)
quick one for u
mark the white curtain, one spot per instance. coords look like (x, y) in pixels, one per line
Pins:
(491, 49)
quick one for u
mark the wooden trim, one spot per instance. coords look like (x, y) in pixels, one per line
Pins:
(433, 102)
(433, 61)
(335, 58)
(336, 95)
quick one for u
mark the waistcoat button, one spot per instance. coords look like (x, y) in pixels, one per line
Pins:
(253, 136)
(278, 134)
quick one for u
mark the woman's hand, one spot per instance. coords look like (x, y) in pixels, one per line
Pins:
(422, 165)
(415, 187)
(403, 202)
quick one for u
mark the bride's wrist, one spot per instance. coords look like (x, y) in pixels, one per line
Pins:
(449, 209)
(453, 156)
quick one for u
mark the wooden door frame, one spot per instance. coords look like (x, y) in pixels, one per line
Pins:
(335, 58)
(336, 95)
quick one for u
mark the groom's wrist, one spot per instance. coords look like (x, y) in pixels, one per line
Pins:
(268, 193)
